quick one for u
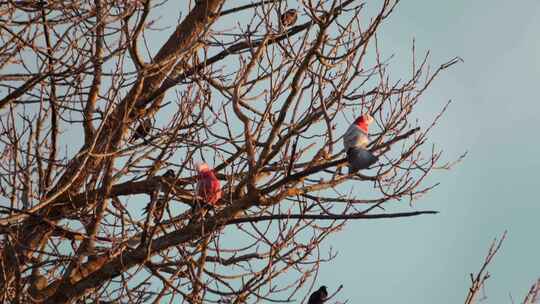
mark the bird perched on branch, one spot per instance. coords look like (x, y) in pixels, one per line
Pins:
(288, 18)
(208, 186)
(169, 174)
(142, 130)
(319, 296)
(355, 142)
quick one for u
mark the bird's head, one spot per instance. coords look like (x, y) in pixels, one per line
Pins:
(323, 290)
(364, 121)
(203, 168)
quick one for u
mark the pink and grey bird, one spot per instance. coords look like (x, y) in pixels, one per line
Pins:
(289, 18)
(319, 296)
(208, 186)
(355, 142)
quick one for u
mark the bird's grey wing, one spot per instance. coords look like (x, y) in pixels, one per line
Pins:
(360, 158)
(349, 138)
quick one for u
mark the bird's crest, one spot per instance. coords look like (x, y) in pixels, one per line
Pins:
(364, 121)
(202, 167)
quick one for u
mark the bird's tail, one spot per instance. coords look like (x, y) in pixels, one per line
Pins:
(360, 158)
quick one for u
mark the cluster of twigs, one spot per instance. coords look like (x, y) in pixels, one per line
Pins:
(478, 281)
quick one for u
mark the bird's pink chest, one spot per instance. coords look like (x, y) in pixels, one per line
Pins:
(210, 189)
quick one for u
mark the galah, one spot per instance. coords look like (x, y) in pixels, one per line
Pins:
(319, 296)
(355, 142)
(142, 130)
(208, 186)
(288, 18)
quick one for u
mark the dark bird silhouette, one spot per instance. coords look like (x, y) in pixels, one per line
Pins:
(169, 174)
(289, 18)
(142, 130)
(319, 296)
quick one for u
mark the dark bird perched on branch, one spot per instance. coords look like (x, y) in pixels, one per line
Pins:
(319, 296)
(355, 142)
(289, 18)
(142, 130)
(169, 174)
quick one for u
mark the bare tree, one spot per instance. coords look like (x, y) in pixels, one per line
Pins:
(94, 117)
